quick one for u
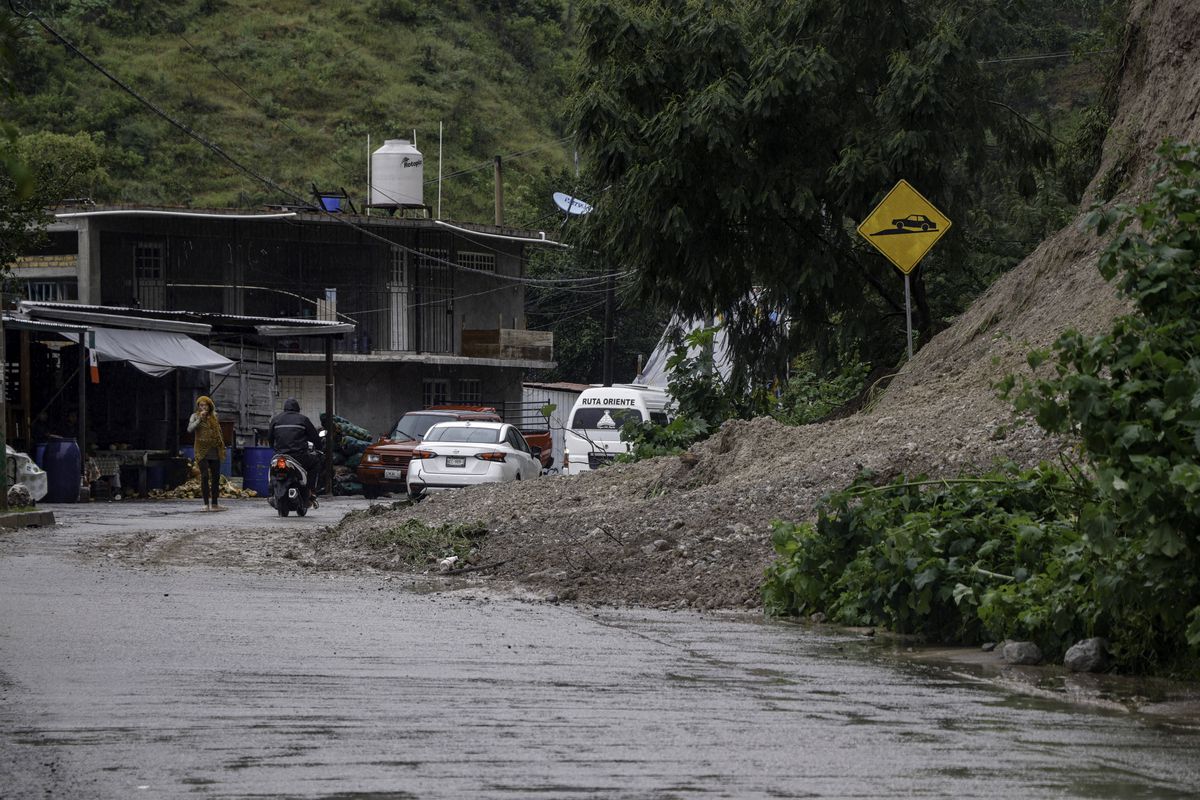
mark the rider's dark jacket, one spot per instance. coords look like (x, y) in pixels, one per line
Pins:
(291, 431)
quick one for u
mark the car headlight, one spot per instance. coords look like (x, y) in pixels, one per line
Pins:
(373, 458)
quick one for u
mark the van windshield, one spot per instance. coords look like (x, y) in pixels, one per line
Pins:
(602, 418)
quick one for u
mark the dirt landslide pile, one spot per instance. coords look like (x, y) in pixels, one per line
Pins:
(695, 530)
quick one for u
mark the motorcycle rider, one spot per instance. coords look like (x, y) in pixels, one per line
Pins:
(290, 433)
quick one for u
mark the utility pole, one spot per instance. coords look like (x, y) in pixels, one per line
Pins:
(610, 302)
(3, 412)
(498, 177)
(330, 425)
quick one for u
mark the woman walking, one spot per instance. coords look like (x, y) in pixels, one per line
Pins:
(210, 451)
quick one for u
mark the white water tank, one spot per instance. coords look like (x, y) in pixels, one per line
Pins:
(397, 175)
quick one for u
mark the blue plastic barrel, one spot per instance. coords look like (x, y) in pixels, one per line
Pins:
(189, 452)
(156, 475)
(39, 453)
(256, 469)
(63, 467)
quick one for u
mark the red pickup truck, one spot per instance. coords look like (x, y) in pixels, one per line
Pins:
(384, 464)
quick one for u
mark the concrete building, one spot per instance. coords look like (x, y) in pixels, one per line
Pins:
(437, 308)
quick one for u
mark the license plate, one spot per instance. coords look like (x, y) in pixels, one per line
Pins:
(456, 461)
(393, 474)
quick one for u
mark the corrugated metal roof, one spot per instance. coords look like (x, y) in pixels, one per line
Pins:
(25, 324)
(293, 214)
(181, 316)
(558, 387)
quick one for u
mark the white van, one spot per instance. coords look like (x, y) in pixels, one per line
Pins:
(593, 434)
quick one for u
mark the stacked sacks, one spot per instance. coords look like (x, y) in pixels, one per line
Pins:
(348, 443)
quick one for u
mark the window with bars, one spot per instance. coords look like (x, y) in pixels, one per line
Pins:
(148, 266)
(51, 291)
(399, 271)
(434, 257)
(481, 261)
(435, 333)
(435, 392)
(470, 391)
(148, 260)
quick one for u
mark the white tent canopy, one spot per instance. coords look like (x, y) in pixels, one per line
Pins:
(156, 352)
(655, 373)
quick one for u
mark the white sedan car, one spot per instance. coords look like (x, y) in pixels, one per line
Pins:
(464, 453)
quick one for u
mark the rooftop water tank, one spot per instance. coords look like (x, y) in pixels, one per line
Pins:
(397, 175)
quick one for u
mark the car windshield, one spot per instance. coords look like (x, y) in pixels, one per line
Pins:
(463, 433)
(413, 426)
(600, 418)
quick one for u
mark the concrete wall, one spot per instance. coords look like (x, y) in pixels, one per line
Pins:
(269, 268)
(374, 396)
(563, 401)
(488, 303)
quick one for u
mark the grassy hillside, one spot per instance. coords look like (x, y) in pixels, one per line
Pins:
(292, 88)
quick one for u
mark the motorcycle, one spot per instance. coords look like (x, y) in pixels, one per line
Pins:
(288, 482)
(288, 486)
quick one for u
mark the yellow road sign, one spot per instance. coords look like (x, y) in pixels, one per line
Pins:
(904, 226)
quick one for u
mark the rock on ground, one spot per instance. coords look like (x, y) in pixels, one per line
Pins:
(1021, 653)
(1090, 655)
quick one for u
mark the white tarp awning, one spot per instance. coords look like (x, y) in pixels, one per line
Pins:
(156, 352)
(655, 372)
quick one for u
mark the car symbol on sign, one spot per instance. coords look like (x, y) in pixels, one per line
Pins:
(915, 221)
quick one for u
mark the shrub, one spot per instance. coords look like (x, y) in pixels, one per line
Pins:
(928, 556)
(1111, 548)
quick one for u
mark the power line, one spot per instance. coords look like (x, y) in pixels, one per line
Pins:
(205, 142)
(487, 164)
(1044, 56)
(267, 181)
(338, 163)
(144, 101)
(581, 312)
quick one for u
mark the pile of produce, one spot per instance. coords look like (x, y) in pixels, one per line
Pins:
(190, 489)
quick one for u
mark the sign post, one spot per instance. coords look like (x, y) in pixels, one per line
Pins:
(908, 313)
(903, 227)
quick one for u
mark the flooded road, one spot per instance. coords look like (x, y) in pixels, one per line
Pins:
(120, 682)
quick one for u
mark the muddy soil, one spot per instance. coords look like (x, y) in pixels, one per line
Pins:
(695, 531)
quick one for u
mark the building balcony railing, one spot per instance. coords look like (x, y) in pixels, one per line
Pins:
(400, 321)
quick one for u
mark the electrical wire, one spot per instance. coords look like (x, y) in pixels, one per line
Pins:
(583, 282)
(340, 164)
(212, 146)
(487, 164)
(1043, 56)
(581, 312)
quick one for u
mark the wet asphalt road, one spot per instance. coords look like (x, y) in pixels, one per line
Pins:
(120, 682)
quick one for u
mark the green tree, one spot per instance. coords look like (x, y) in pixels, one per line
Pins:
(743, 141)
(52, 168)
(569, 298)
(13, 173)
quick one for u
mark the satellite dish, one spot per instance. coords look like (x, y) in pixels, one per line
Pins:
(571, 205)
